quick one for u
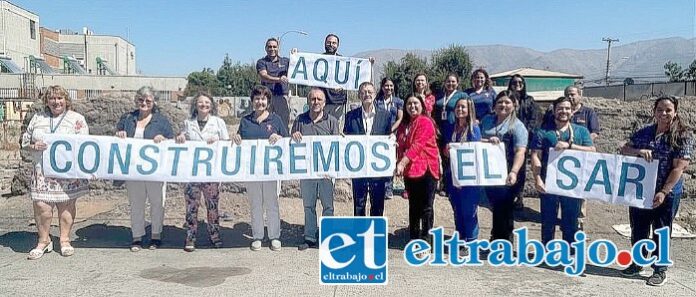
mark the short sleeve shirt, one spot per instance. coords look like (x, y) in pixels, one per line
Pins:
(545, 138)
(483, 102)
(393, 107)
(511, 132)
(249, 128)
(277, 69)
(327, 125)
(585, 117)
(646, 138)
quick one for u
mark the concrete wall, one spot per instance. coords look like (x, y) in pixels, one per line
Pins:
(691, 88)
(643, 91)
(636, 92)
(15, 33)
(83, 82)
(674, 89)
(616, 92)
(93, 86)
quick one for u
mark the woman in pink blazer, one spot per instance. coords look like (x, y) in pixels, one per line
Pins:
(419, 164)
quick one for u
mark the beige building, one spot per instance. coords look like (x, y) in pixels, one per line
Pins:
(27, 47)
(97, 54)
(19, 36)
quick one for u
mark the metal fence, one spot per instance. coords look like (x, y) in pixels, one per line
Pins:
(642, 91)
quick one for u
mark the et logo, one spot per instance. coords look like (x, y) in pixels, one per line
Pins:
(353, 250)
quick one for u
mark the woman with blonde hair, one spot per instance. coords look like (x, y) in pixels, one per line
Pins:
(46, 193)
(464, 200)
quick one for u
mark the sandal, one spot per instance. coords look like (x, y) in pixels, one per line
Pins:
(136, 246)
(66, 250)
(37, 253)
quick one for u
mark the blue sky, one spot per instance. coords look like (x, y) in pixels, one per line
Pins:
(176, 37)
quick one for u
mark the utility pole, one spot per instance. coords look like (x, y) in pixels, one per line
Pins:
(609, 40)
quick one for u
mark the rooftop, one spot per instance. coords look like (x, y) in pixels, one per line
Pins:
(531, 72)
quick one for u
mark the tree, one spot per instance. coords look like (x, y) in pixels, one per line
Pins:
(690, 74)
(454, 59)
(203, 80)
(403, 72)
(237, 79)
(673, 71)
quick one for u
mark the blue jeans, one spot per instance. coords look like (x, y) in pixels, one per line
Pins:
(375, 187)
(570, 210)
(465, 202)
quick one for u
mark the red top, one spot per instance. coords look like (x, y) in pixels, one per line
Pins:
(418, 142)
(429, 104)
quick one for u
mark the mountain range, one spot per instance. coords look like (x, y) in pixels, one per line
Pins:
(641, 60)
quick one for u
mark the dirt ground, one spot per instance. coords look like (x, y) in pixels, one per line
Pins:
(103, 217)
(102, 229)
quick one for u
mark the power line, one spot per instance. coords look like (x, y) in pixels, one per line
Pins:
(609, 40)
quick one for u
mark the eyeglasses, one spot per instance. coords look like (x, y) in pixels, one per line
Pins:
(148, 102)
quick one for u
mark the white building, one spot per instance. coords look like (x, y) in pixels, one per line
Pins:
(116, 55)
(19, 35)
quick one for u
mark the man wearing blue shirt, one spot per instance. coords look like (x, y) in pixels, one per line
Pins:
(582, 116)
(560, 135)
(273, 70)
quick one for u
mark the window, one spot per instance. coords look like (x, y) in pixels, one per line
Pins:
(32, 29)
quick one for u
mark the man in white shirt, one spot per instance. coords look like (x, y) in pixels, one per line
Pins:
(368, 119)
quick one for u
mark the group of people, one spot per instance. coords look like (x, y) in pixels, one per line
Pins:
(424, 125)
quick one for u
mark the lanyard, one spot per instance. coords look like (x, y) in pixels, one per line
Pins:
(443, 116)
(570, 134)
(53, 129)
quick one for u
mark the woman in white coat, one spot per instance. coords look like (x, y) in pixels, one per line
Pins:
(203, 125)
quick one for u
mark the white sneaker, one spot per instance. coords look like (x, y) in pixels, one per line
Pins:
(256, 245)
(276, 245)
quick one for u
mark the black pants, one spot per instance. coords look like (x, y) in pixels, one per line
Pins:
(643, 219)
(421, 194)
(280, 106)
(502, 200)
(376, 188)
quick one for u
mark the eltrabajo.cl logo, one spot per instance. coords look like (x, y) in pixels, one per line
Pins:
(353, 250)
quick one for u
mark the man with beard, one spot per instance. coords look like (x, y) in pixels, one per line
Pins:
(336, 99)
(582, 116)
(561, 134)
(273, 70)
(315, 122)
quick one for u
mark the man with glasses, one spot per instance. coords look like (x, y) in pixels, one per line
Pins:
(368, 120)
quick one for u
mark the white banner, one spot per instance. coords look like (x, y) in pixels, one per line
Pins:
(478, 164)
(108, 157)
(329, 71)
(614, 179)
